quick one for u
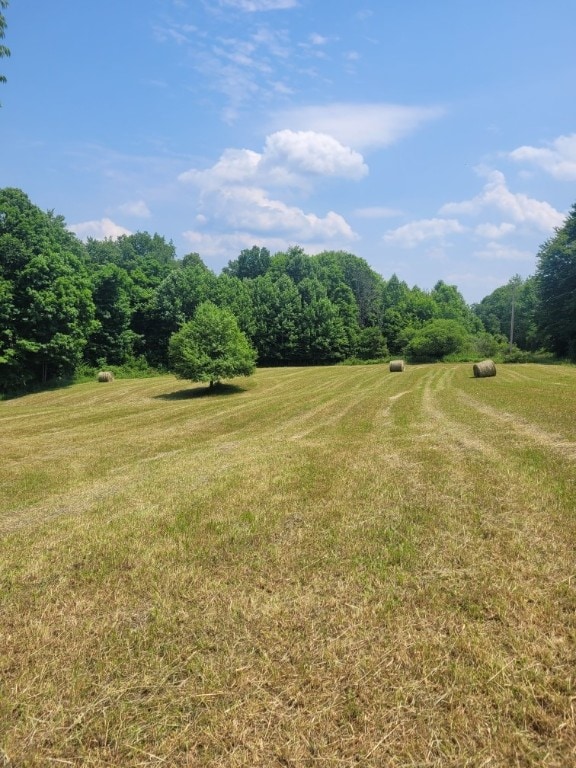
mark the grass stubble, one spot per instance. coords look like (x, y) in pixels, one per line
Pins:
(332, 566)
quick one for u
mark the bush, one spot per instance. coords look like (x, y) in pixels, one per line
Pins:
(437, 339)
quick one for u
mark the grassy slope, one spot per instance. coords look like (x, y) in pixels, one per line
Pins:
(333, 566)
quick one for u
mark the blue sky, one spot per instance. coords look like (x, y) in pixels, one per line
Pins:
(434, 138)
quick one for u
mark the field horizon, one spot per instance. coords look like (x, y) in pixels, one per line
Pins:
(332, 566)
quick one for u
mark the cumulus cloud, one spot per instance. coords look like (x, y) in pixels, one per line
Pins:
(359, 125)
(234, 193)
(288, 159)
(235, 166)
(416, 232)
(251, 208)
(558, 158)
(308, 152)
(516, 207)
(101, 229)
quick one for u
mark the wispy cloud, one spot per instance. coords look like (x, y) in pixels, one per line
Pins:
(423, 230)
(500, 252)
(360, 125)
(136, 208)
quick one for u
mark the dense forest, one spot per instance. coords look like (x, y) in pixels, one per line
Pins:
(67, 306)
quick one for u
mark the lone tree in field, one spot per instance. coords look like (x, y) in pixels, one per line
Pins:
(211, 347)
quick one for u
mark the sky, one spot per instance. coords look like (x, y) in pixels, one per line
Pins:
(436, 139)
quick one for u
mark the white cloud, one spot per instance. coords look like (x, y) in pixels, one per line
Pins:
(235, 166)
(249, 208)
(136, 208)
(359, 125)
(416, 232)
(288, 159)
(224, 246)
(308, 152)
(495, 231)
(515, 206)
(558, 158)
(235, 205)
(99, 230)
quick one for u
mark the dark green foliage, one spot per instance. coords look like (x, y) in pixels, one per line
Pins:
(371, 344)
(211, 347)
(277, 306)
(175, 301)
(46, 305)
(321, 333)
(366, 285)
(437, 339)
(495, 312)
(251, 263)
(293, 308)
(112, 340)
(146, 260)
(556, 287)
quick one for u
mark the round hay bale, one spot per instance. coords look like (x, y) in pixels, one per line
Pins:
(484, 369)
(396, 366)
(105, 376)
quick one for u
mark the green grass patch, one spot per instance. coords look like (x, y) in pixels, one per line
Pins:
(332, 565)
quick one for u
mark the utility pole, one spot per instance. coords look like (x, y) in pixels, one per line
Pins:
(514, 286)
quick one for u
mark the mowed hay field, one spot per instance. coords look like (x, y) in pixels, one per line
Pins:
(337, 566)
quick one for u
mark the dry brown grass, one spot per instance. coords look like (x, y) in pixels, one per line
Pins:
(333, 567)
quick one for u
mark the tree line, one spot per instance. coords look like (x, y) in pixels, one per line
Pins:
(66, 304)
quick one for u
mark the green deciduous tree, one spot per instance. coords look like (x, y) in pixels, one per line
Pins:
(556, 281)
(436, 339)
(495, 312)
(45, 294)
(211, 347)
(276, 306)
(175, 301)
(251, 263)
(371, 344)
(112, 340)
(321, 333)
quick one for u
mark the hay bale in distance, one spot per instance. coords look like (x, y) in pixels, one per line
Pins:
(396, 366)
(105, 376)
(484, 369)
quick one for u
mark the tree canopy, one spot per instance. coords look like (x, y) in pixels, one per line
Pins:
(119, 302)
(556, 286)
(46, 304)
(211, 347)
